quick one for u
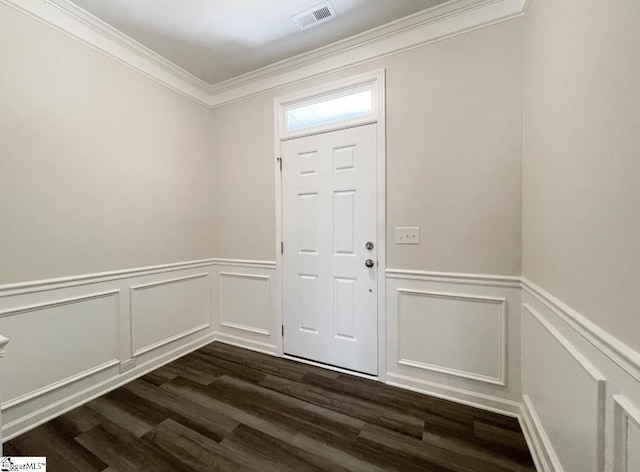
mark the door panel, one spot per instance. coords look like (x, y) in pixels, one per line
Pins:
(329, 213)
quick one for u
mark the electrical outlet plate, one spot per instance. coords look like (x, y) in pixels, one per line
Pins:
(408, 235)
(127, 365)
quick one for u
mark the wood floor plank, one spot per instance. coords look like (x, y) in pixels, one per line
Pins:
(224, 408)
(422, 451)
(380, 415)
(209, 423)
(475, 451)
(116, 447)
(120, 413)
(193, 450)
(303, 439)
(246, 440)
(59, 450)
(498, 435)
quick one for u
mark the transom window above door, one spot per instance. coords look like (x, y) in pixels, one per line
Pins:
(350, 103)
(329, 111)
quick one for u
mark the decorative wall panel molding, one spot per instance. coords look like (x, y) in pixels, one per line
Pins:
(429, 323)
(97, 331)
(236, 302)
(565, 394)
(167, 310)
(627, 435)
(46, 338)
(429, 312)
(247, 310)
(443, 21)
(625, 357)
(239, 311)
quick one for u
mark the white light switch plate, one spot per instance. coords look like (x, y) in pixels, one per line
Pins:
(408, 235)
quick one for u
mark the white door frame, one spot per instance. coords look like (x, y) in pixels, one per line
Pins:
(376, 81)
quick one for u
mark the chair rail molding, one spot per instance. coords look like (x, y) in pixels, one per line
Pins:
(624, 356)
(434, 24)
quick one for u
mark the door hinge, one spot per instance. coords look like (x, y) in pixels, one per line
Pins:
(279, 159)
(282, 330)
(281, 247)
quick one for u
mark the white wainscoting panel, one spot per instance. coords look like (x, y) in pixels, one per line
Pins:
(574, 422)
(246, 307)
(167, 310)
(76, 338)
(245, 302)
(455, 336)
(580, 394)
(430, 323)
(627, 435)
(47, 339)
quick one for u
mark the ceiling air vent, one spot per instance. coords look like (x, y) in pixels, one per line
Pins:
(314, 16)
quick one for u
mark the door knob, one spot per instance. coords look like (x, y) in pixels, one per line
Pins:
(369, 263)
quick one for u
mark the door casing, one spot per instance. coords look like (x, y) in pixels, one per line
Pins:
(375, 79)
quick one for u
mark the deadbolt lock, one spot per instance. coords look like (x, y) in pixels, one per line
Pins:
(369, 245)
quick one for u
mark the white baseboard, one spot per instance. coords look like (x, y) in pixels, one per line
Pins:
(458, 395)
(245, 343)
(53, 410)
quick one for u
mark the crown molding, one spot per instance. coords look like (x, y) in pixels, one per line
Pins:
(440, 22)
(65, 16)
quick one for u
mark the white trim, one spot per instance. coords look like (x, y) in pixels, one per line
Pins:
(625, 357)
(175, 337)
(458, 395)
(168, 340)
(242, 327)
(434, 24)
(363, 82)
(501, 380)
(624, 415)
(3, 344)
(458, 278)
(250, 344)
(9, 290)
(228, 324)
(56, 385)
(245, 263)
(573, 352)
(53, 410)
(595, 375)
(56, 303)
(531, 439)
(542, 452)
(141, 287)
(441, 22)
(72, 20)
(378, 78)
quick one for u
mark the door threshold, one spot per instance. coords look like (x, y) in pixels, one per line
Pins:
(342, 370)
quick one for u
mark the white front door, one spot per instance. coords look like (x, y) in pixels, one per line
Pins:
(330, 238)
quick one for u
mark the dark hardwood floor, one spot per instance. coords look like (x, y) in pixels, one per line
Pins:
(222, 408)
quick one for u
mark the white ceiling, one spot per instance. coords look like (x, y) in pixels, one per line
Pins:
(216, 40)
